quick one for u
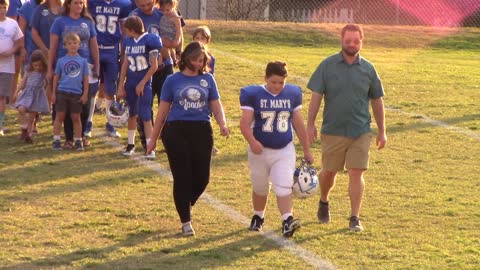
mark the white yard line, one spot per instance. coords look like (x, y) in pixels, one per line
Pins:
(306, 255)
(421, 117)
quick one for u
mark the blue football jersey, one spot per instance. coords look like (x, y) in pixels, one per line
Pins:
(107, 16)
(272, 125)
(138, 52)
(151, 23)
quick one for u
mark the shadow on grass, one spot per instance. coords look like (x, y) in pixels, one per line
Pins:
(189, 255)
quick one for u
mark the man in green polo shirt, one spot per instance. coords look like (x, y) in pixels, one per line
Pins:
(348, 83)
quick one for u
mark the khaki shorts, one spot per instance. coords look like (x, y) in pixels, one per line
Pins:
(340, 152)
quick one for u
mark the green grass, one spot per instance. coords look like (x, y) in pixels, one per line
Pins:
(98, 210)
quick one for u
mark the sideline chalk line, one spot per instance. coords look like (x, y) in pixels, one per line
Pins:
(306, 255)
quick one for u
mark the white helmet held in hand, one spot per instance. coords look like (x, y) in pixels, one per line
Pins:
(305, 180)
(118, 113)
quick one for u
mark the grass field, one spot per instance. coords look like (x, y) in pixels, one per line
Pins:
(421, 210)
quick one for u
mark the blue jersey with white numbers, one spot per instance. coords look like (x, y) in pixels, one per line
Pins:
(151, 23)
(138, 52)
(107, 16)
(190, 96)
(272, 125)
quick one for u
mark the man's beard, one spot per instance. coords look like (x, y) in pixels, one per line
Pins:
(350, 52)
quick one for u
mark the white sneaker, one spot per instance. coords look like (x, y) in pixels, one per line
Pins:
(114, 134)
(112, 131)
(1, 132)
(151, 156)
(187, 230)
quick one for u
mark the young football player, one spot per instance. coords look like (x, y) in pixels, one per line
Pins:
(151, 16)
(107, 15)
(140, 63)
(274, 109)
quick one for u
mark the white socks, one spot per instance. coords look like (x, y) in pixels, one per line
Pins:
(286, 215)
(131, 136)
(92, 109)
(261, 214)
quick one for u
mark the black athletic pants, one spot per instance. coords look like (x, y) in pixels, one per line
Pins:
(189, 150)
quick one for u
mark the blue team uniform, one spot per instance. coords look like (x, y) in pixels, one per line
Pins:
(82, 26)
(272, 113)
(42, 20)
(71, 69)
(107, 16)
(13, 7)
(26, 11)
(138, 51)
(151, 23)
(190, 96)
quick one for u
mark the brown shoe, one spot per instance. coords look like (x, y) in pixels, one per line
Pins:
(68, 145)
(24, 134)
(86, 143)
(28, 139)
(323, 213)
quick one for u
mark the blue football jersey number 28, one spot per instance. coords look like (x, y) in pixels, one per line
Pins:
(282, 120)
(137, 63)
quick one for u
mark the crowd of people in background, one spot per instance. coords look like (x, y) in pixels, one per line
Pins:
(68, 52)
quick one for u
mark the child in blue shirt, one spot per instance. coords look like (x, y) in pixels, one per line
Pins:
(70, 84)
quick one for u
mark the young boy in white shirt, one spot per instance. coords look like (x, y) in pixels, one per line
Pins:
(11, 38)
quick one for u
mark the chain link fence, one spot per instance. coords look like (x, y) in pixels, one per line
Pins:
(439, 13)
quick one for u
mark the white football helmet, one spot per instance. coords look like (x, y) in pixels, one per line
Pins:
(305, 180)
(118, 113)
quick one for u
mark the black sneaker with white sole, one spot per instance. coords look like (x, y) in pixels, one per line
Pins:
(290, 225)
(129, 150)
(256, 224)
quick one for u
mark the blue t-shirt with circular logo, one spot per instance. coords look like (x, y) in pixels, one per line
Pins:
(190, 96)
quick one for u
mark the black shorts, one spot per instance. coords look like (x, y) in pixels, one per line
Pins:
(68, 101)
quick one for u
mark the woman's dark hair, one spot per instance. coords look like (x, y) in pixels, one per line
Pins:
(192, 52)
(84, 13)
(276, 68)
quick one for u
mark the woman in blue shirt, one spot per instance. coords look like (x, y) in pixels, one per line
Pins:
(183, 118)
(75, 18)
(43, 17)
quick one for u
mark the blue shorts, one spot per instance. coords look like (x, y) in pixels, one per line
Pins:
(139, 105)
(109, 68)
